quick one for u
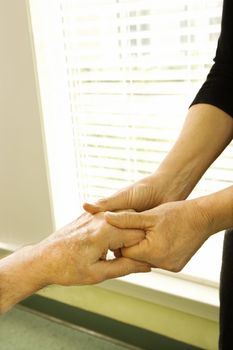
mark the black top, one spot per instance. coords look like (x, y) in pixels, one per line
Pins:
(218, 87)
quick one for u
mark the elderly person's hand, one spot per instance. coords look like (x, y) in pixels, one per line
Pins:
(175, 231)
(74, 255)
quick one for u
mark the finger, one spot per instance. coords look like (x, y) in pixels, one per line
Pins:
(129, 220)
(137, 252)
(92, 208)
(117, 201)
(119, 267)
(119, 238)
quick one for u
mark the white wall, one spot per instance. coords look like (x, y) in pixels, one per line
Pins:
(25, 211)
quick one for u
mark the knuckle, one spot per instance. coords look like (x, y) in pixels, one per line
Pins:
(176, 269)
(173, 267)
(89, 277)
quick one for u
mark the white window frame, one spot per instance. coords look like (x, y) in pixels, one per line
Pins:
(56, 126)
(194, 296)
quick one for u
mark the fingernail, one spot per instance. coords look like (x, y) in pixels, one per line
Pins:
(90, 204)
(91, 207)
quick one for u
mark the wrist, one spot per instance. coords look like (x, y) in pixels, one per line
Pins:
(192, 153)
(171, 183)
(218, 208)
(176, 186)
(20, 276)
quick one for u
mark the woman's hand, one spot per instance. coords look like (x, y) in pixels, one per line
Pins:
(174, 232)
(183, 166)
(142, 195)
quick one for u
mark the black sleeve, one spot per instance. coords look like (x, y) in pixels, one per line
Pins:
(217, 90)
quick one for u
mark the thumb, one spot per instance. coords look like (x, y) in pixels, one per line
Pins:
(129, 220)
(119, 267)
(117, 201)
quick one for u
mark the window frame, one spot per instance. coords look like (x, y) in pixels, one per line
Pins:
(179, 291)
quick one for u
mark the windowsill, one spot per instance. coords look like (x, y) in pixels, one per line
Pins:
(170, 290)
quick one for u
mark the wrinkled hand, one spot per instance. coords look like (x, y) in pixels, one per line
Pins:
(76, 254)
(144, 194)
(174, 232)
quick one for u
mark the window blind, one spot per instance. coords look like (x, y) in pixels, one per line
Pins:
(132, 68)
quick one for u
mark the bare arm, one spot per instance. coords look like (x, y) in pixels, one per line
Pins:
(218, 207)
(21, 274)
(74, 255)
(206, 132)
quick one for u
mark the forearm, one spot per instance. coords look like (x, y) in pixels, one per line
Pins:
(218, 209)
(206, 132)
(21, 274)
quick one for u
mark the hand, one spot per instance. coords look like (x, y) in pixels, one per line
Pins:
(76, 254)
(182, 167)
(174, 232)
(144, 194)
(71, 256)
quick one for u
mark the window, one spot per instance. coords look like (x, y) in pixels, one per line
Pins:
(144, 12)
(145, 41)
(133, 42)
(215, 20)
(144, 27)
(133, 28)
(111, 115)
(184, 23)
(184, 38)
(214, 36)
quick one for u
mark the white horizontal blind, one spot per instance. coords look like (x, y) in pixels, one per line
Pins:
(132, 69)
